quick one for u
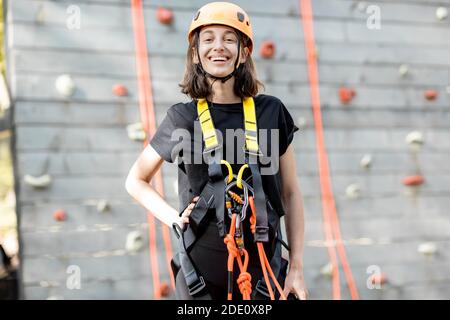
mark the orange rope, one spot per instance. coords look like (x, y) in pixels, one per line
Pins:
(244, 279)
(331, 220)
(265, 265)
(149, 123)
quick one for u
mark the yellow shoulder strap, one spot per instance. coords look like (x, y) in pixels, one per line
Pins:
(207, 125)
(251, 128)
(209, 132)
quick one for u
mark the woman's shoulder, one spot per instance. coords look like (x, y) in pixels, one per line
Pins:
(182, 111)
(265, 101)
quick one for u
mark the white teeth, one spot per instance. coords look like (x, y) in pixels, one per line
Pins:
(219, 59)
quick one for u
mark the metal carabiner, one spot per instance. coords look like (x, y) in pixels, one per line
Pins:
(243, 201)
(239, 234)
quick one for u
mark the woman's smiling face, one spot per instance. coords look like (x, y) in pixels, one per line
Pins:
(218, 50)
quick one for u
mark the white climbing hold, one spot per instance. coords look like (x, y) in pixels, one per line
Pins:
(65, 85)
(136, 132)
(415, 140)
(38, 182)
(427, 248)
(366, 161)
(327, 270)
(103, 206)
(447, 89)
(403, 70)
(134, 242)
(353, 191)
(441, 13)
(301, 122)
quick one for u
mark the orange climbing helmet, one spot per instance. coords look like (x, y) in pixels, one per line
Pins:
(223, 13)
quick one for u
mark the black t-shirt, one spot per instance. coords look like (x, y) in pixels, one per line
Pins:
(179, 136)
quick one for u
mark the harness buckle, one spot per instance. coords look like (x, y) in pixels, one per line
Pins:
(262, 233)
(177, 229)
(253, 153)
(262, 288)
(197, 286)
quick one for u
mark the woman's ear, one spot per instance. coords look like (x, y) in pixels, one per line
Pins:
(244, 54)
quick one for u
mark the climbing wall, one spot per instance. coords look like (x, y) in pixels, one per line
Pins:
(384, 85)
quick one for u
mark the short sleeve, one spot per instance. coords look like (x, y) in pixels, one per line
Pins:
(287, 128)
(162, 141)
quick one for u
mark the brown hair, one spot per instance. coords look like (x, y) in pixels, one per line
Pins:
(196, 86)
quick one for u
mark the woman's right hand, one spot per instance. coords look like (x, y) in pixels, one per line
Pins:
(184, 219)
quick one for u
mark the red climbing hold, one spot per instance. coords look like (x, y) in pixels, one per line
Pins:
(60, 215)
(430, 94)
(120, 90)
(267, 49)
(413, 180)
(165, 16)
(346, 94)
(164, 289)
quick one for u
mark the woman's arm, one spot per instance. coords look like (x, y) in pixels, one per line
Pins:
(138, 186)
(292, 200)
(294, 221)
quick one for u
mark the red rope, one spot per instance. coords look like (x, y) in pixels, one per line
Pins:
(331, 220)
(149, 124)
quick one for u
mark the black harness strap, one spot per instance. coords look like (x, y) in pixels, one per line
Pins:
(195, 282)
(218, 184)
(262, 228)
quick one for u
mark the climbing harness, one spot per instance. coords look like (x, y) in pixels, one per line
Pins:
(237, 196)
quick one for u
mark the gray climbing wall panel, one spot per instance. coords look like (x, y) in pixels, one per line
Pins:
(82, 142)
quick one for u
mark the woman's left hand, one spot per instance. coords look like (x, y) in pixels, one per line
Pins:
(295, 283)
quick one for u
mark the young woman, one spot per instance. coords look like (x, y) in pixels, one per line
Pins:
(221, 80)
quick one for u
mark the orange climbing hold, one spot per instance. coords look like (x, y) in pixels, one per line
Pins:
(413, 180)
(267, 49)
(430, 94)
(346, 94)
(60, 215)
(165, 16)
(120, 90)
(164, 289)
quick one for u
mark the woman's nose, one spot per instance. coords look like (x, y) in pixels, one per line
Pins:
(218, 44)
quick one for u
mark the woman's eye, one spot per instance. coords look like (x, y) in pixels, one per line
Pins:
(230, 39)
